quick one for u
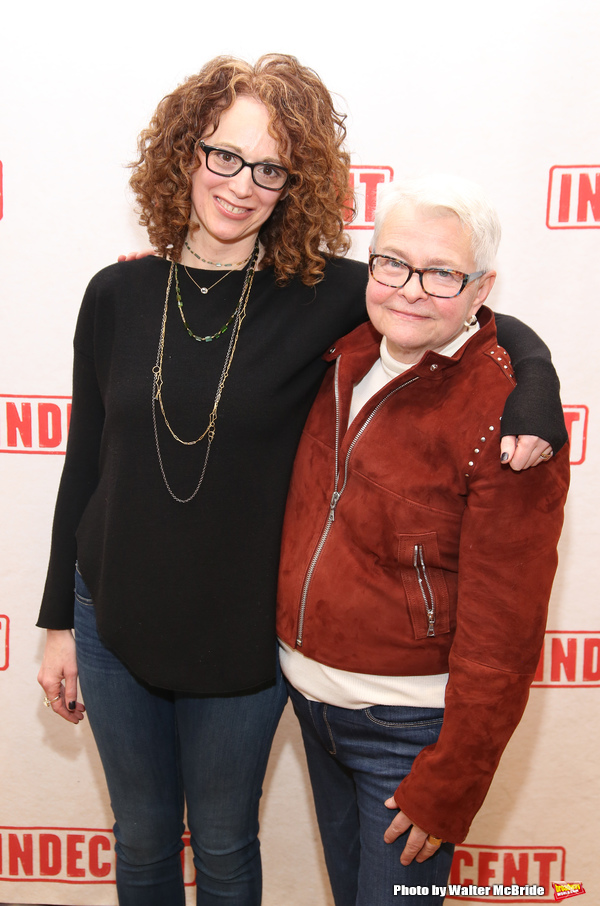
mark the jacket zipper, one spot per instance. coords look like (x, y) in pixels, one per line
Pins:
(425, 586)
(335, 497)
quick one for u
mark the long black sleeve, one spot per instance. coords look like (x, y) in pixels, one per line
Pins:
(534, 406)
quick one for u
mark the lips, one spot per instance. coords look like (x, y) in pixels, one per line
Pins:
(232, 209)
(408, 315)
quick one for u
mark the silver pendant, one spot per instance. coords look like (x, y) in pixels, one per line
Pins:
(203, 290)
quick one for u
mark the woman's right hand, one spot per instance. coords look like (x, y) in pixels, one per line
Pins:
(60, 663)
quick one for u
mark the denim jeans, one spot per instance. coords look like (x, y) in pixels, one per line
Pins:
(161, 749)
(356, 759)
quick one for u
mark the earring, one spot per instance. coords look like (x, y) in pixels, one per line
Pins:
(470, 323)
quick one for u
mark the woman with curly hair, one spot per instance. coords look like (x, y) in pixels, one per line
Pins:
(194, 373)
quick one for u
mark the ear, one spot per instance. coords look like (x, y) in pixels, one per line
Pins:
(484, 289)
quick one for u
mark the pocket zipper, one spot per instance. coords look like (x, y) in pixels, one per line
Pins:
(425, 587)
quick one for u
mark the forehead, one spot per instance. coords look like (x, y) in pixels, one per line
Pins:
(245, 127)
(426, 237)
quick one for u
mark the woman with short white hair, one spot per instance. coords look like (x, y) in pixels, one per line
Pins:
(415, 570)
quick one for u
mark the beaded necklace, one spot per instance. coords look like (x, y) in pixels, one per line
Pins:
(214, 263)
(193, 335)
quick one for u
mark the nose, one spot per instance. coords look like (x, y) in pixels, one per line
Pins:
(413, 289)
(242, 183)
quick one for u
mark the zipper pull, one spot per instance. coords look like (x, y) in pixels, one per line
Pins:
(332, 505)
(431, 629)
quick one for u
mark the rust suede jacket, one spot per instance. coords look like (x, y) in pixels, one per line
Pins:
(409, 550)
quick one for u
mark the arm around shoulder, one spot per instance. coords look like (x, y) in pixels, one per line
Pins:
(534, 407)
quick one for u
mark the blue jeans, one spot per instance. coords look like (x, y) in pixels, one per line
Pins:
(356, 759)
(160, 749)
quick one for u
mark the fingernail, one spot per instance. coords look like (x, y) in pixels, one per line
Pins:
(504, 457)
(72, 706)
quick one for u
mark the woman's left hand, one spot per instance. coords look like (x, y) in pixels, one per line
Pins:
(524, 451)
(418, 846)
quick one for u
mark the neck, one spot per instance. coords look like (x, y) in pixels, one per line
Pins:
(409, 357)
(200, 251)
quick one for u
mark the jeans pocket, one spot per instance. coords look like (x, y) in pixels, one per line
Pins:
(82, 594)
(405, 717)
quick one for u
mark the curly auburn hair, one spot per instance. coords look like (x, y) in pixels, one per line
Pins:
(308, 223)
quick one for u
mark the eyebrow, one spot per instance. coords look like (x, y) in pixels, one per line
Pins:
(227, 146)
(442, 263)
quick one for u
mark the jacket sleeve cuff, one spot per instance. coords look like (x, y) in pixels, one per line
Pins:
(449, 780)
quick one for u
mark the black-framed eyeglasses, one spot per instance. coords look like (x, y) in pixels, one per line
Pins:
(226, 163)
(435, 281)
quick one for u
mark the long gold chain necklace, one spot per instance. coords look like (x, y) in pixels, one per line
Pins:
(157, 382)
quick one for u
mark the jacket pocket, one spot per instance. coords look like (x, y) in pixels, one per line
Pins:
(424, 584)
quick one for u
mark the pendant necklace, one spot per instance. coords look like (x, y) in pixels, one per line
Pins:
(206, 289)
(193, 335)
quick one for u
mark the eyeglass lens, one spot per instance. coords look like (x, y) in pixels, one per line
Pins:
(393, 272)
(226, 163)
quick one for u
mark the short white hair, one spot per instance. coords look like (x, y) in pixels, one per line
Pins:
(441, 193)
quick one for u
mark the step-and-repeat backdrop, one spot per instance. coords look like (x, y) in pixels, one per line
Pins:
(506, 94)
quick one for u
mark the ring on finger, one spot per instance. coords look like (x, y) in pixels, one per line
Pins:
(434, 841)
(50, 701)
(546, 455)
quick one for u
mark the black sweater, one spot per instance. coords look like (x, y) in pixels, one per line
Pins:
(185, 593)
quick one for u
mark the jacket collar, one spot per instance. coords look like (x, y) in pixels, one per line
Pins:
(360, 350)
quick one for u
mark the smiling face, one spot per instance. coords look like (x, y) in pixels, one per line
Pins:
(231, 210)
(412, 321)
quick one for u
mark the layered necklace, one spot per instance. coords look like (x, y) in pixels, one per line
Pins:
(203, 290)
(237, 317)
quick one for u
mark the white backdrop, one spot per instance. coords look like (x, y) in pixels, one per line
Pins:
(506, 94)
